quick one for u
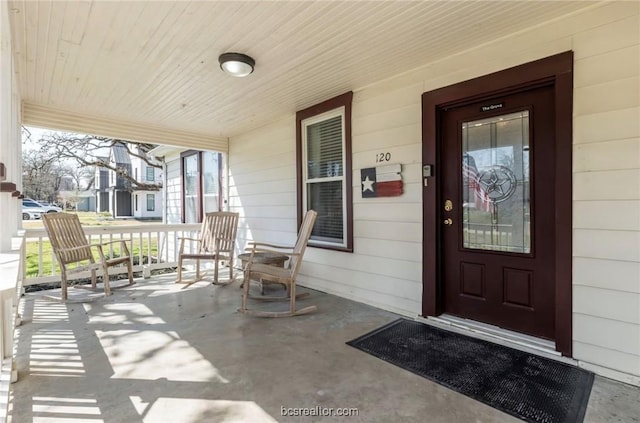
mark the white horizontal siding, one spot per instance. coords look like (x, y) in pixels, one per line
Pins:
(607, 303)
(606, 357)
(410, 156)
(612, 95)
(607, 185)
(174, 192)
(385, 268)
(620, 154)
(267, 211)
(405, 306)
(606, 126)
(620, 215)
(618, 64)
(612, 334)
(598, 273)
(262, 184)
(606, 193)
(604, 244)
(617, 29)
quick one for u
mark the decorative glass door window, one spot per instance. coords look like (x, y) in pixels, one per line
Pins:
(496, 192)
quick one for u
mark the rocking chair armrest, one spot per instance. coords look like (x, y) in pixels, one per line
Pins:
(186, 238)
(264, 244)
(101, 244)
(267, 250)
(115, 241)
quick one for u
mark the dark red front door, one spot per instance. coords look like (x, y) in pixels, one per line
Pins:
(497, 193)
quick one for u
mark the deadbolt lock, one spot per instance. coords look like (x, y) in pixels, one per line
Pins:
(448, 205)
(448, 221)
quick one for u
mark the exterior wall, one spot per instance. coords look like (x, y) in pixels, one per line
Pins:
(87, 204)
(262, 184)
(142, 211)
(10, 134)
(121, 202)
(385, 268)
(173, 190)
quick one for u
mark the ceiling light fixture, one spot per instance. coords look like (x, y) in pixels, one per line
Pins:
(236, 64)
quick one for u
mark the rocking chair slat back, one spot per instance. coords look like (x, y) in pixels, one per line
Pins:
(303, 238)
(216, 242)
(70, 245)
(67, 238)
(219, 232)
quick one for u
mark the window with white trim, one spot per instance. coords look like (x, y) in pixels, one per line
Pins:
(324, 149)
(151, 202)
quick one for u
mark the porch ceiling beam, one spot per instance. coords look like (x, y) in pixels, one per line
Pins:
(57, 119)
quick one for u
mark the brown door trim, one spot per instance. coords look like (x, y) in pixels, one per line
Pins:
(556, 70)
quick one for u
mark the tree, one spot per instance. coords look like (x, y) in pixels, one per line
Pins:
(89, 152)
(42, 175)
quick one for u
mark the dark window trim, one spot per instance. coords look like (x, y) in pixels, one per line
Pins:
(343, 100)
(184, 155)
(200, 205)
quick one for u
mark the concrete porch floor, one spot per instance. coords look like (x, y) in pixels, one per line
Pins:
(163, 352)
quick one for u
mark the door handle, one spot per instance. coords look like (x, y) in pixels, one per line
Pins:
(448, 222)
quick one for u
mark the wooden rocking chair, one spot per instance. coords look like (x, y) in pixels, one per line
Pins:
(70, 246)
(285, 276)
(217, 242)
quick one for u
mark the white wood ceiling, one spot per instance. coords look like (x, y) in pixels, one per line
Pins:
(155, 62)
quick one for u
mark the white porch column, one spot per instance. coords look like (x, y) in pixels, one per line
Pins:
(10, 135)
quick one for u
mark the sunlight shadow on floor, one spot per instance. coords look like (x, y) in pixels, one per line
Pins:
(56, 409)
(200, 410)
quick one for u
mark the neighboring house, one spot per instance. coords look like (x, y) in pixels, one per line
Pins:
(147, 204)
(81, 200)
(547, 90)
(101, 185)
(117, 195)
(72, 195)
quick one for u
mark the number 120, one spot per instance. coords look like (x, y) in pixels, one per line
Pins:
(383, 157)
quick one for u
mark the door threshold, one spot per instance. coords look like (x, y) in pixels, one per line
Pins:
(498, 335)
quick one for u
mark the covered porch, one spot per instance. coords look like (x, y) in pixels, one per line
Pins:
(160, 351)
(149, 71)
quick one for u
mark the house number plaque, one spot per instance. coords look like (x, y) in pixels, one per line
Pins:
(383, 157)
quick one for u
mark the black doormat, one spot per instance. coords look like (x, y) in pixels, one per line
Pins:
(527, 386)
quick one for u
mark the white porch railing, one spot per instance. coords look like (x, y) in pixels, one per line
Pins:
(152, 246)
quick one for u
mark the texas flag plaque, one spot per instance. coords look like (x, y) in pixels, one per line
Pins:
(381, 181)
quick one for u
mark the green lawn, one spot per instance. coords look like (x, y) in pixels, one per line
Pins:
(93, 219)
(87, 219)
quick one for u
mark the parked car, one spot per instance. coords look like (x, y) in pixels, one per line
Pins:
(33, 204)
(31, 213)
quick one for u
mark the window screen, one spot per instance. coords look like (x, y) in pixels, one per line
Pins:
(324, 146)
(151, 202)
